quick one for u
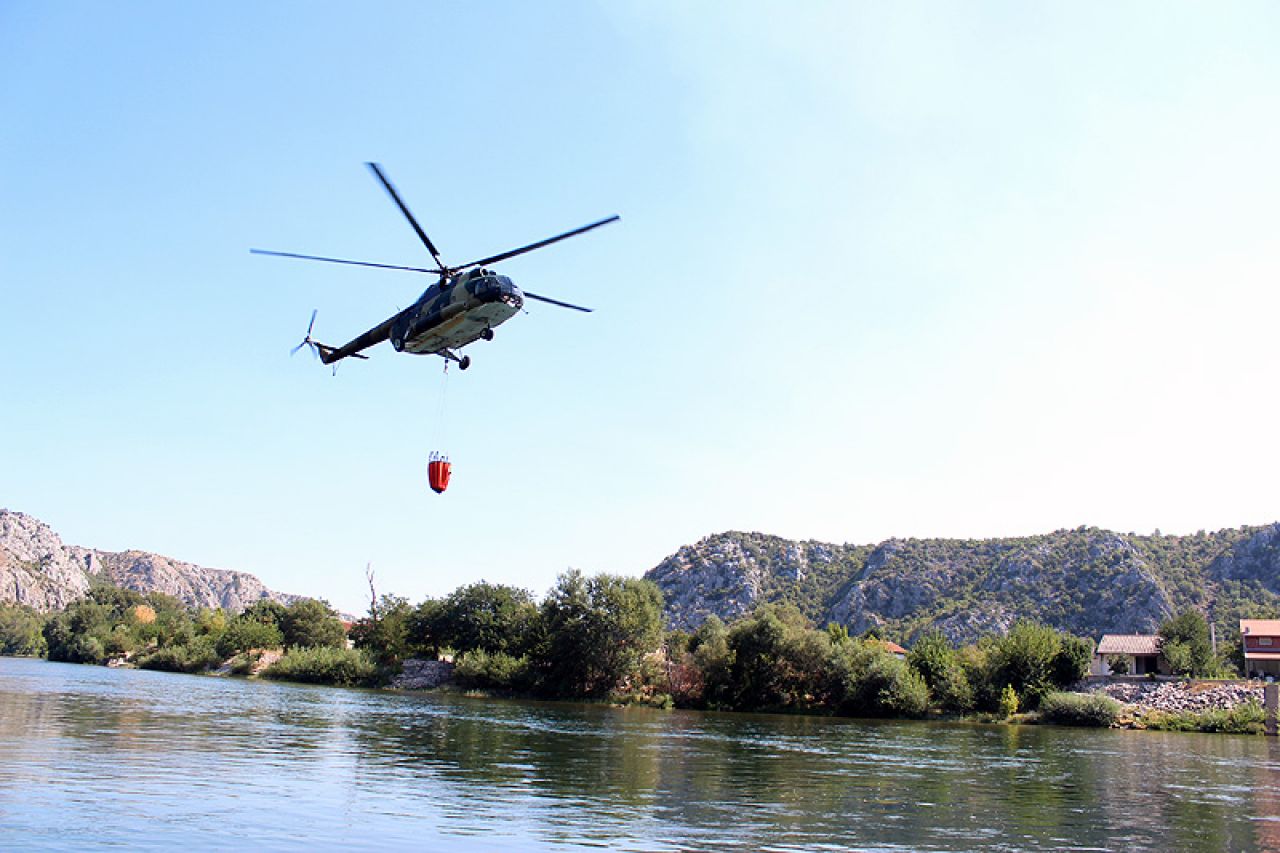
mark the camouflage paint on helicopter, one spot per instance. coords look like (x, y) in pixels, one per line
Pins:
(465, 310)
(464, 306)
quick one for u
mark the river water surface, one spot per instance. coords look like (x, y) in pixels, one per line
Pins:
(92, 756)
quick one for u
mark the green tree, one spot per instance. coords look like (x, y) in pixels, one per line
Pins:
(266, 611)
(490, 617)
(308, 623)
(1073, 659)
(931, 656)
(116, 599)
(1027, 659)
(595, 632)
(244, 633)
(977, 662)
(1185, 646)
(384, 633)
(938, 663)
(712, 656)
(871, 682)
(21, 630)
(422, 628)
(758, 673)
(78, 634)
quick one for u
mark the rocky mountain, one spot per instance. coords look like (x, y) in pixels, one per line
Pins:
(37, 569)
(1087, 581)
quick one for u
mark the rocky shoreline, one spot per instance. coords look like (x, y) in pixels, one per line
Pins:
(1180, 696)
(422, 674)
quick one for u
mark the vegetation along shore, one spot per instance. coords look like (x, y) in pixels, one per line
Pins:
(601, 638)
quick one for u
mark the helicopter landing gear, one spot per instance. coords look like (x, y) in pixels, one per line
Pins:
(448, 355)
(486, 335)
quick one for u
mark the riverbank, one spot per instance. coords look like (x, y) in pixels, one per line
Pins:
(601, 640)
(1181, 696)
(1210, 707)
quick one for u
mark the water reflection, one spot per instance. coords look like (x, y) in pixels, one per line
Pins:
(151, 759)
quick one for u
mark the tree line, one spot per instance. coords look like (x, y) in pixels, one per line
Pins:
(597, 637)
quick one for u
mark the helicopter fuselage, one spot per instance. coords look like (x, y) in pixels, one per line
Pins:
(459, 311)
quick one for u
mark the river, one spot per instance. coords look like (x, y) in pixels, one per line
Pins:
(93, 756)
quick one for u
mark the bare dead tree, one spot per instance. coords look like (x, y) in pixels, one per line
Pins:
(373, 594)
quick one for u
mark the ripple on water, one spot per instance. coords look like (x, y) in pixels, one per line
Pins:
(151, 759)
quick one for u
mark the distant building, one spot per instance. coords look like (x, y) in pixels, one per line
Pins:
(1140, 653)
(1261, 638)
(894, 649)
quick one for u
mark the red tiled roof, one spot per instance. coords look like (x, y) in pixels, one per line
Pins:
(1264, 627)
(1129, 644)
(894, 647)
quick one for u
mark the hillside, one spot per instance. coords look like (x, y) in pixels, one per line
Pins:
(37, 569)
(1087, 581)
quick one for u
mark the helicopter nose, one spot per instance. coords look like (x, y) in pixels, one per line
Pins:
(503, 290)
(511, 294)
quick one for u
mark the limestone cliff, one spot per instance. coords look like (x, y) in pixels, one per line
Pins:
(1087, 581)
(37, 569)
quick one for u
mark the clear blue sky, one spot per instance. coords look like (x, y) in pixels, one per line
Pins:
(883, 270)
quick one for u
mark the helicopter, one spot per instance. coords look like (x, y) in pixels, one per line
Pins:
(464, 305)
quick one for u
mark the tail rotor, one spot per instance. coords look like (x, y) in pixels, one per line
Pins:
(308, 341)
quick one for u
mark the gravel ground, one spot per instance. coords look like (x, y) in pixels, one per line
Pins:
(1182, 695)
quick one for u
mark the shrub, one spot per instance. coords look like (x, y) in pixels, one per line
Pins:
(1008, 701)
(196, 656)
(953, 692)
(905, 694)
(242, 664)
(685, 682)
(871, 682)
(1245, 719)
(324, 665)
(141, 614)
(478, 668)
(1080, 709)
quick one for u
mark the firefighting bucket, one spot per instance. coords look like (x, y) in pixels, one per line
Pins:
(438, 471)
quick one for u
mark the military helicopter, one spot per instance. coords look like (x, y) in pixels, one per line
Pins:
(464, 305)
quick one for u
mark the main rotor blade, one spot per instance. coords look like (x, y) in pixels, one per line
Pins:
(341, 261)
(555, 302)
(395, 196)
(529, 248)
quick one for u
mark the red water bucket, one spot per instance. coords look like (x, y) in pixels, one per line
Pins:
(438, 471)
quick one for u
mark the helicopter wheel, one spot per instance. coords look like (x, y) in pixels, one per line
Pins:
(464, 363)
(486, 335)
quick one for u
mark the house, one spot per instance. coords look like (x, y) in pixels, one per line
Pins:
(1136, 654)
(894, 649)
(1261, 638)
